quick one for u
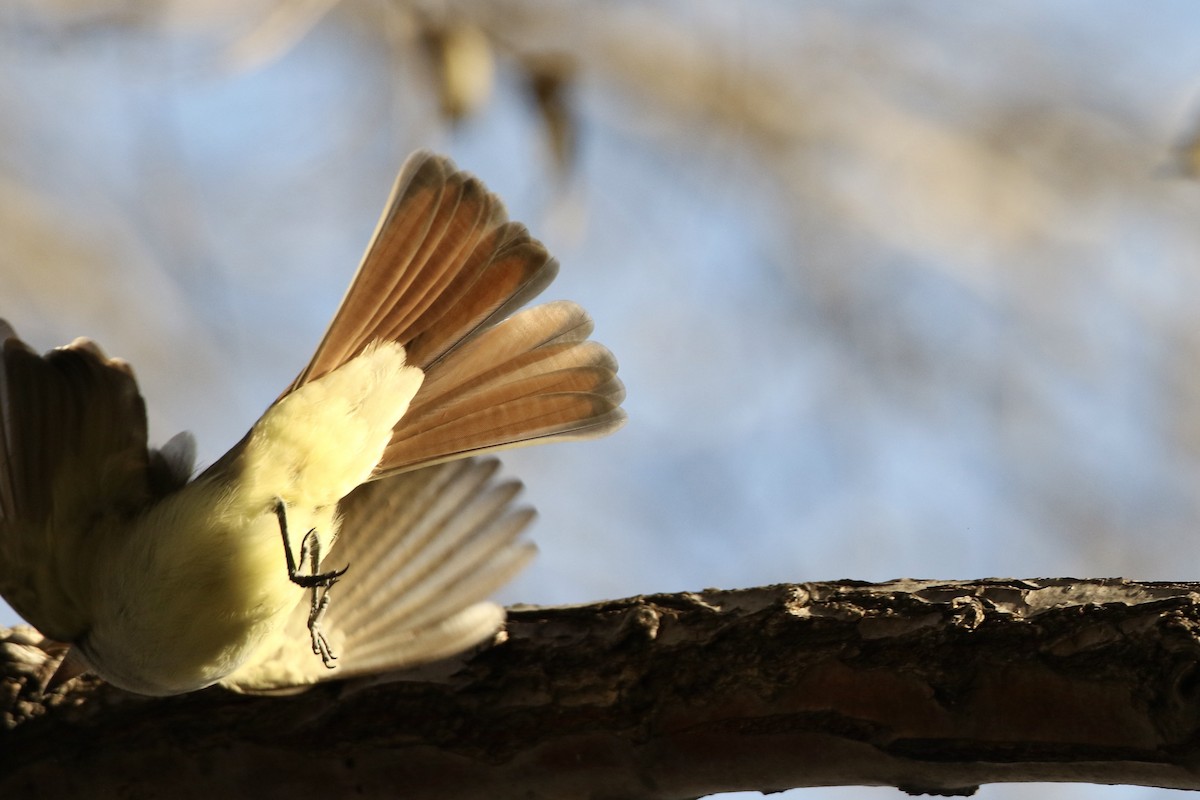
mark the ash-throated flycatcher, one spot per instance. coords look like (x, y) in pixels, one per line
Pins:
(164, 583)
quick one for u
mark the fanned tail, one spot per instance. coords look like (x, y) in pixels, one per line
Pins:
(443, 276)
(532, 378)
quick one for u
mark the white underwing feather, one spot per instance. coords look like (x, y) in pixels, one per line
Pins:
(424, 550)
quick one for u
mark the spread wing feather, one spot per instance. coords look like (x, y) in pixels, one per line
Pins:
(425, 550)
(72, 452)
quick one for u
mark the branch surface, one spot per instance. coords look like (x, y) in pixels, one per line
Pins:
(931, 687)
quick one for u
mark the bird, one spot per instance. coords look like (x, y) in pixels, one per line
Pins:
(359, 526)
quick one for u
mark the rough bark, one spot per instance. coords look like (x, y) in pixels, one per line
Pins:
(931, 687)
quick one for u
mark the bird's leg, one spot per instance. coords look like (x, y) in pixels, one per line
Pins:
(310, 546)
(318, 582)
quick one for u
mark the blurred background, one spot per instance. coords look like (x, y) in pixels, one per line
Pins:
(898, 288)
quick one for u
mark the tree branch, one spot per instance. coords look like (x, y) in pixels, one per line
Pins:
(933, 687)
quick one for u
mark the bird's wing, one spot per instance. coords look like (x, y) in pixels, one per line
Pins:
(72, 451)
(425, 549)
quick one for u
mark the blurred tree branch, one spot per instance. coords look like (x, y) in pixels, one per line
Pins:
(931, 687)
